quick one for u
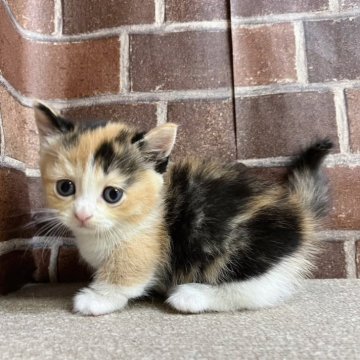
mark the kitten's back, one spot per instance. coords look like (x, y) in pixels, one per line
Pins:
(227, 225)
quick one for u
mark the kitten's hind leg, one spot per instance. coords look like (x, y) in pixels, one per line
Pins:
(259, 292)
(196, 298)
(191, 298)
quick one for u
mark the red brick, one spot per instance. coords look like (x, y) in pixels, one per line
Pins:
(206, 128)
(267, 7)
(180, 61)
(345, 184)
(353, 108)
(280, 124)
(331, 263)
(273, 174)
(264, 55)
(16, 120)
(58, 70)
(90, 15)
(34, 15)
(196, 10)
(140, 115)
(17, 268)
(70, 267)
(332, 51)
(14, 204)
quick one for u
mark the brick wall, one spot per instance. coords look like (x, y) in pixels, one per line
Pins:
(246, 80)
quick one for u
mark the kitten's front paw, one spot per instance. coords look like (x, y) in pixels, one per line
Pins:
(90, 302)
(190, 298)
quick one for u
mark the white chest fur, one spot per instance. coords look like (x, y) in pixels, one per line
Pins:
(93, 250)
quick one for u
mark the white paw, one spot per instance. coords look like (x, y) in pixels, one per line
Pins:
(190, 298)
(90, 302)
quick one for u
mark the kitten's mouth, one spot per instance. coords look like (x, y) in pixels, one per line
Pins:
(84, 226)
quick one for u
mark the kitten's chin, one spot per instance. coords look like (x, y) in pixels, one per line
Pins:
(88, 230)
(82, 230)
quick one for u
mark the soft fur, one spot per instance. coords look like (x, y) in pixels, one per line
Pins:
(210, 237)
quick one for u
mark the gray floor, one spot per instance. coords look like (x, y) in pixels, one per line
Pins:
(321, 322)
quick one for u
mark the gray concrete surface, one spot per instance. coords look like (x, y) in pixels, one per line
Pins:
(321, 322)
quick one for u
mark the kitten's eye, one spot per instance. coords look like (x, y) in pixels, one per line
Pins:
(112, 195)
(65, 187)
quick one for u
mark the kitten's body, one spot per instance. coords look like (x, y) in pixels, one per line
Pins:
(209, 236)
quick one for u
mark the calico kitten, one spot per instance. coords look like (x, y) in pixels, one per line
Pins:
(210, 237)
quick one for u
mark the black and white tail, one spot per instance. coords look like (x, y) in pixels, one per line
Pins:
(306, 179)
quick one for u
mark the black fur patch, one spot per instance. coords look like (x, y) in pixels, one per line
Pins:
(312, 157)
(124, 160)
(161, 165)
(127, 163)
(65, 125)
(105, 155)
(198, 214)
(271, 235)
(137, 137)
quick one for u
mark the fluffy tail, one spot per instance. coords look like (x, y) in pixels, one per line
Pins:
(306, 179)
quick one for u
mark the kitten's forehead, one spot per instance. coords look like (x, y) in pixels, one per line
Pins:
(105, 148)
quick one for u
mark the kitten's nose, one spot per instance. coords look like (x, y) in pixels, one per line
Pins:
(83, 216)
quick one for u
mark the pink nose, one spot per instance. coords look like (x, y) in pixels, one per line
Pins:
(83, 217)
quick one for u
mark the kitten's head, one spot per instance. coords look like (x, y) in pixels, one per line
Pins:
(104, 176)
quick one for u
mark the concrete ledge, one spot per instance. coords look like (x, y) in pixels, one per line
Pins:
(322, 322)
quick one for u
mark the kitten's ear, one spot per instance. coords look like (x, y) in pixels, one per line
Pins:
(160, 140)
(49, 123)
